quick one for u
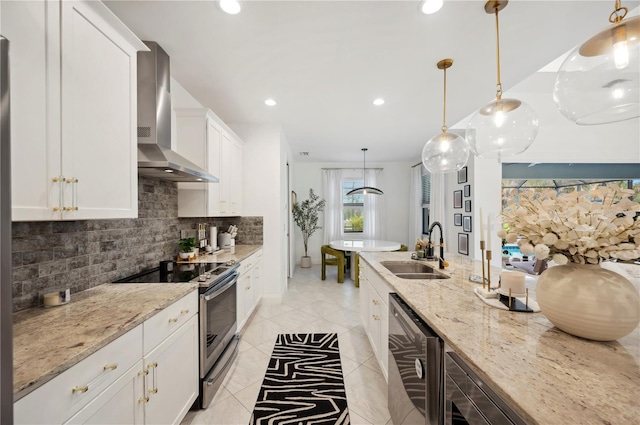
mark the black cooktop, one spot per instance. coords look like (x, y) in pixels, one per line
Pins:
(181, 272)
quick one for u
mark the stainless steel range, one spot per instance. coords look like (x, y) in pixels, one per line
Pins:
(218, 338)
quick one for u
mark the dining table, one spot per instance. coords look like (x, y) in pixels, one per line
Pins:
(353, 246)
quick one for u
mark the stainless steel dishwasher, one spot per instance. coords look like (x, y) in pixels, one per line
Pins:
(416, 376)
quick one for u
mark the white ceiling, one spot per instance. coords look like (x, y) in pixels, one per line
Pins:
(324, 62)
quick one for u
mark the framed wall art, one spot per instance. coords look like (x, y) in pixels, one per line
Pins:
(457, 199)
(467, 205)
(463, 243)
(466, 223)
(457, 219)
(467, 190)
(462, 175)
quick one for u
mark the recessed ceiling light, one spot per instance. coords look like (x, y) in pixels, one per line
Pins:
(168, 171)
(270, 102)
(430, 6)
(379, 101)
(232, 7)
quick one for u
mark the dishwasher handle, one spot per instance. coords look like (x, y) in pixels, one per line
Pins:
(407, 318)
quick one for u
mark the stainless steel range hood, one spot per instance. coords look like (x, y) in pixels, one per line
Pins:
(155, 157)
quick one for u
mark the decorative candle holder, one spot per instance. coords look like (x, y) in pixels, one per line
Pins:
(488, 254)
(514, 304)
(482, 249)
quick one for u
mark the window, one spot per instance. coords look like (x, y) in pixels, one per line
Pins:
(565, 186)
(426, 202)
(352, 207)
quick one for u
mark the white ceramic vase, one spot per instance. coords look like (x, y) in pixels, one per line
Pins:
(588, 301)
(305, 262)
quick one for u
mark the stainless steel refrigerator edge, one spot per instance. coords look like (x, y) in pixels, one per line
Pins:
(6, 309)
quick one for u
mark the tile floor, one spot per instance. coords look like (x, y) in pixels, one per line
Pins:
(310, 305)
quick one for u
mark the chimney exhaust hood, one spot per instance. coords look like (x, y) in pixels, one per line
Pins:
(155, 157)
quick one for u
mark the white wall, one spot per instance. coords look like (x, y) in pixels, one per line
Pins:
(265, 194)
(394, 183)
(264, 188)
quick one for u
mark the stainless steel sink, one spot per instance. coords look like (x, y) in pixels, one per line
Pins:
(413, 270)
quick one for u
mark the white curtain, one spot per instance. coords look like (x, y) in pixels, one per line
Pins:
(332, 189)
(437, 212)
(415, 205)
(373, 208)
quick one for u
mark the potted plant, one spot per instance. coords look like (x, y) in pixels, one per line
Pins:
(305, 215)
(187, 247)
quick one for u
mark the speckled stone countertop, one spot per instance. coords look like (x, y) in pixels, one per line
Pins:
(236, 253)
(48, 341)
(544, 374)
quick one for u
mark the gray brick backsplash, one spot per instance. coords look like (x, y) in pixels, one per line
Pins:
(84, 254)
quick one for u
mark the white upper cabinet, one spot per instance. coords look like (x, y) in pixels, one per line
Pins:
(202, 139)
(74, 109)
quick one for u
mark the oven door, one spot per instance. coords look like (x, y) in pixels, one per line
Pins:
(217, 321)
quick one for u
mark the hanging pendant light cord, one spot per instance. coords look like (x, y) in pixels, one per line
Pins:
(499, 84)
(364, 166)
(444, 110)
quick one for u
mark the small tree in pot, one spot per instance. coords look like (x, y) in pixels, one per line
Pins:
(305, 216)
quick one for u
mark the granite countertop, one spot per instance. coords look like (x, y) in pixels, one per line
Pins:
(236, 253)
(544, 374)
(48, 341)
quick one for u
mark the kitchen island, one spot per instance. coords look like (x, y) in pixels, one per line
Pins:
(544, 374)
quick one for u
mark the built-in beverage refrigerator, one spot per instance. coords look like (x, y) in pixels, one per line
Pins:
(6, 311)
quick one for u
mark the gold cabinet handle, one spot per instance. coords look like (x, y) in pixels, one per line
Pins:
(375, 302)
(173, 320)
(154, 366)
(59, 180)
(144, 373)
(376, 317)
(185, 311)
(82, 389)
(74, 194)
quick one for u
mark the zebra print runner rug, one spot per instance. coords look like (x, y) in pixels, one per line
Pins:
(303, 383)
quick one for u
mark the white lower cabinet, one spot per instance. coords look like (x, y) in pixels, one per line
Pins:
(127, 382)
(172, 379)
(374, 312)
(249, 287)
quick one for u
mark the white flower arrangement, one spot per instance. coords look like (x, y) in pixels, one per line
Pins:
(579, 227)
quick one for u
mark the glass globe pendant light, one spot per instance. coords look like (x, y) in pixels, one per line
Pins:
(365, 190)
(599, 81)
(445, 152)
(504, 127)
